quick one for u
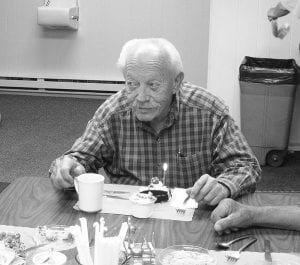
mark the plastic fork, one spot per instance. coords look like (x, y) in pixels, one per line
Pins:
(186, 199)
(233, 256)
(112, 192)
(115, 197)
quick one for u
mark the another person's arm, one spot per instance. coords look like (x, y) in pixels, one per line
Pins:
(230, 215)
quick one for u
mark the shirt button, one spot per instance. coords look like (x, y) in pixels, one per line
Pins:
(158, 139)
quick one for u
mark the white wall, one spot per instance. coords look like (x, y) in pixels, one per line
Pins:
(239, 28)
(27, 50)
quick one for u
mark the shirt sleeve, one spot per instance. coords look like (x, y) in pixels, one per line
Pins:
(234, 164)
(93, 148)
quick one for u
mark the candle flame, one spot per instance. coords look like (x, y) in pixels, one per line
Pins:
(165, 166)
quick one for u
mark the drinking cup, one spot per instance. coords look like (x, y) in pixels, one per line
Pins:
(89, 187)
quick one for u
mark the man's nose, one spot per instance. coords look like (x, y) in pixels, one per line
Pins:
(142, 94)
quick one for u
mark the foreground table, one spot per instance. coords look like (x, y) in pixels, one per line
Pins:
(31, 202)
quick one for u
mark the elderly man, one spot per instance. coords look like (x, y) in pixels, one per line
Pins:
(157, 118)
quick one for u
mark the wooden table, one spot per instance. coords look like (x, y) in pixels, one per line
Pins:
(31, 202)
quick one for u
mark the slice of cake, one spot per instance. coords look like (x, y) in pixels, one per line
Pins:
(158, 189)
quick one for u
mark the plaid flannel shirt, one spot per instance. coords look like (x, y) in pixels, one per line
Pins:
(198, 138)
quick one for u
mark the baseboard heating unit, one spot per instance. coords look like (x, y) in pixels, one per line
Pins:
(59, 87)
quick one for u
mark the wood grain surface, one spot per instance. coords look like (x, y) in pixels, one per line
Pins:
(32, 201)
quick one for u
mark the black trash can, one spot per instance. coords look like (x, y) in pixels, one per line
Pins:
(268, 89)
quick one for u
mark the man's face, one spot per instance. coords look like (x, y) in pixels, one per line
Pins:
(150, 88)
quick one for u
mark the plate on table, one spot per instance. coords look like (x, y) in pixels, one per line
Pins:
(16, 240)
(6, 256)
(49, 258)
(186, 254)
(57, 237)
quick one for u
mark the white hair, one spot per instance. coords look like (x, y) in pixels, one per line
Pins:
(159, 45)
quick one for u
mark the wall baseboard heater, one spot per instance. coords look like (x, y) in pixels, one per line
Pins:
(59, 87)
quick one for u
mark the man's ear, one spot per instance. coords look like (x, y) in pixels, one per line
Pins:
(178, 81)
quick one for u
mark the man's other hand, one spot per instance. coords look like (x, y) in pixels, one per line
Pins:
(65, 170)
(230, 215)
(208, 190)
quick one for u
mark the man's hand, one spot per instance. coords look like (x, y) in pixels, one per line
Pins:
(64, 171)
(230, 215)
(208, 190)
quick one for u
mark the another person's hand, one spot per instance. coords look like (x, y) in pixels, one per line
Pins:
(230, 215)
(208, 190)
(64, 171)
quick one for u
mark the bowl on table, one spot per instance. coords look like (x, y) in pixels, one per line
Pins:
(186, 254)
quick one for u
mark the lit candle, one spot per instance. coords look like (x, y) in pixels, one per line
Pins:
(165, 168)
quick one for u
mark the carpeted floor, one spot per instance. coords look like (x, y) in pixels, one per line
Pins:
(35, 130)
(284, 178)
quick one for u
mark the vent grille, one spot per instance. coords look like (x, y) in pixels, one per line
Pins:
(59, 86)
(18, 78)
(84, 81)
